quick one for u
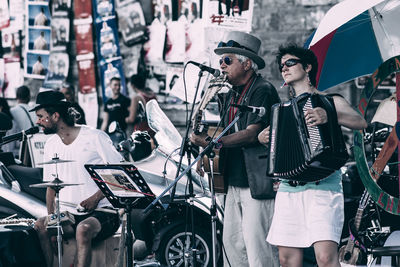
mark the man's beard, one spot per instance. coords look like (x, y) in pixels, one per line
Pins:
(51, 130)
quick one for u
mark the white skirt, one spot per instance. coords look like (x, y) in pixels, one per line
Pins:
(303, 218)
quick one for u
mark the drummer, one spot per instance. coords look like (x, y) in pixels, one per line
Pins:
(76, 145)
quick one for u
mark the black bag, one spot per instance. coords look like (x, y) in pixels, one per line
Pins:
(256, 161)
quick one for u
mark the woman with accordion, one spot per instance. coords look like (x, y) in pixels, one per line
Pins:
(309, 208)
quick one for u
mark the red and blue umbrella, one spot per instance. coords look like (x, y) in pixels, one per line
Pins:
(354, 38)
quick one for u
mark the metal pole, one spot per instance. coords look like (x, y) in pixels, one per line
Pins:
(59, 236)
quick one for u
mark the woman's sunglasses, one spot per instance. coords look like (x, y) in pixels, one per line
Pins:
(227, 60)
(289, 63)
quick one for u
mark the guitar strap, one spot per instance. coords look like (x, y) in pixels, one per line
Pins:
(243, 96)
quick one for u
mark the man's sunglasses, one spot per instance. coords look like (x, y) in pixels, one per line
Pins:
(227, 60)
(289, 63)
(232, 43)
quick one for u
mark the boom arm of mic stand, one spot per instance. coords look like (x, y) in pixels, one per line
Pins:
(206, 150)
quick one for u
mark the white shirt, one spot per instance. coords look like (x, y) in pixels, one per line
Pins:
(21, 118)
(91, 146)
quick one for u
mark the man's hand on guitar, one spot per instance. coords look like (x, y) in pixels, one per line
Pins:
(199, 168)
(199, 140)
(263, 136)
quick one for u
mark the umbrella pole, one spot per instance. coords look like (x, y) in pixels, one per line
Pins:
(398, 123)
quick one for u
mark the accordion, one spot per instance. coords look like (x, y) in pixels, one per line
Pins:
(303, 153)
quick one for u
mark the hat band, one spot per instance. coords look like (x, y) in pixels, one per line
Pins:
(232, 43)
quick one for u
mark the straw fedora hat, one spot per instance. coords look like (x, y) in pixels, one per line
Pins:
(241, 43)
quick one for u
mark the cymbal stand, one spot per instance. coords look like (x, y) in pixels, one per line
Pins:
(58, 226)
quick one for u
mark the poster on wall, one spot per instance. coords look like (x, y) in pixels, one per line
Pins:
(10, 42)
(57, 71)
(36, 64)
(59, 33)
(154, 48)
(39, 39)
(103, 10)
(82, 9)
(4, 14)
(17, 11)
(13, 77)
(38, 14)
(132, 24)
(61, 7)
(232, 15)
(87, 80)
(108, 71)
(89, 104)
(176, 41)
(83, 35)
(107, 41)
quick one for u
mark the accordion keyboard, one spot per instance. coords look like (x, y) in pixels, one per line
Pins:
(314, 136)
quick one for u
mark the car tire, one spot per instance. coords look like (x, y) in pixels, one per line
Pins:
(175, 247)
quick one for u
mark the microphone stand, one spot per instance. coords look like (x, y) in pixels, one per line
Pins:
(186, 147)
(206, 150)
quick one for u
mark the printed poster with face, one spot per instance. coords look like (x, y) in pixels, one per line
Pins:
(176, 41)
(103, 10)
(57, 70)
(10, 41)
(108, 71)
(39, 39)
(107, 41)
(229, 14)
(59, 33)
(132, 24)
(61, 7)
(38, 14)
(36, 64)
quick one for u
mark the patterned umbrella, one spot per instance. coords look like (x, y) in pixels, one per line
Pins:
(354, 38)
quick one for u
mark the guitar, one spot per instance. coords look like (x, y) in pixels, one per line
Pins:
(350, 254)
(199, 127)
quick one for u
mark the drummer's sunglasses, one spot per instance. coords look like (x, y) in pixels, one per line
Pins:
(289, 63)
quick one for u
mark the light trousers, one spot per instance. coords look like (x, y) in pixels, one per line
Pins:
(246, 225)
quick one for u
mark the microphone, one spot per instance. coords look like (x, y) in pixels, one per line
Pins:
(202, 67)
(18, 136)
(260, 111)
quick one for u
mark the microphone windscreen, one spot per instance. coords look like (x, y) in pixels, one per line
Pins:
(33, 130)
(5, 122)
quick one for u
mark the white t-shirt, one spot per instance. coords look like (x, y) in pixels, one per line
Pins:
(91, 146)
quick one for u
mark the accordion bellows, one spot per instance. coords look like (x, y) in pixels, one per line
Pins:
(302, 153)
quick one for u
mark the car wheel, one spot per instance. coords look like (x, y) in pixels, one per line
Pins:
(176, 248)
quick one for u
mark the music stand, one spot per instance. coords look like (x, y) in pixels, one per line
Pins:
(124, 187)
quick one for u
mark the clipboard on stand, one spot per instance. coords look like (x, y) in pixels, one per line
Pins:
(122, 185)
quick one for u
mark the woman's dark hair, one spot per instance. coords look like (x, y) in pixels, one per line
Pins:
(138, 80)
(306, 56)
(5, 108)
(68, 114)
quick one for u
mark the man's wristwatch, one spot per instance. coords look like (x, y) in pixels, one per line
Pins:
(219, 144)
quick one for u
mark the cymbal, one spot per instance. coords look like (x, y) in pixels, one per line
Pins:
(56, 183)
(56, 160)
